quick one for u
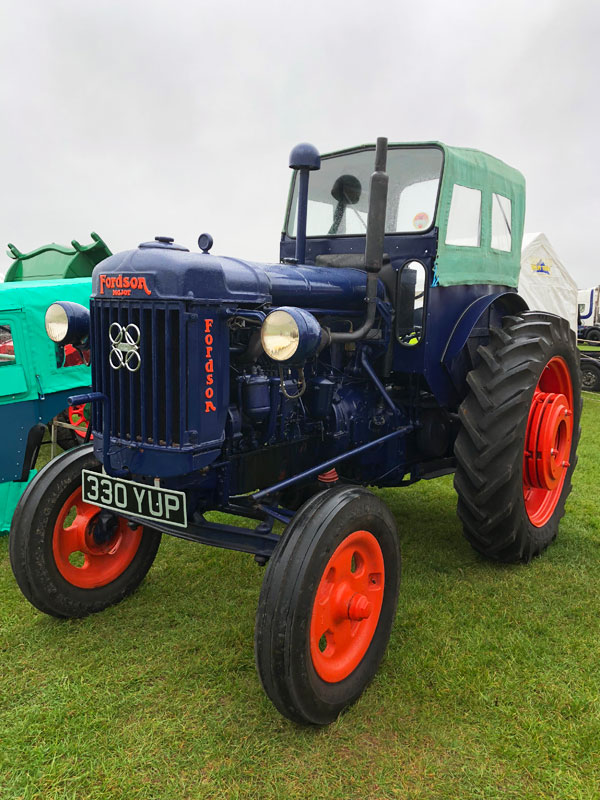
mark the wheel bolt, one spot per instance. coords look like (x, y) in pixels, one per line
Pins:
(359, 607)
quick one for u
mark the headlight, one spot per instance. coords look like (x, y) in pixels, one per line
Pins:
(290, 334)
(67, 323)
(57, 323)
(280, 335)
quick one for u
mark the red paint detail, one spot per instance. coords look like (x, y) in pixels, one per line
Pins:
(347, 606)
(123, 284)
(77, 418)
(359, 607)
(548, 441)
(209, 367)
(103, 563)
(329, 477)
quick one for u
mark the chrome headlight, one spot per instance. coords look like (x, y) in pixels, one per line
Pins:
(67, 323)
(290, 335)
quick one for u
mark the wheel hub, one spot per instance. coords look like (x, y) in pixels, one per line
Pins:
(548, 440)
(347, 606)
(90, 551)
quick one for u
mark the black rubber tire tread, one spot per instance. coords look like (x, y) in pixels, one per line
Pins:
(593, 334)
(591, 384)
(281, 640)
(490, 444)
(30, 544)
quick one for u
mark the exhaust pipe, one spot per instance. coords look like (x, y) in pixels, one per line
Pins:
(374, 244)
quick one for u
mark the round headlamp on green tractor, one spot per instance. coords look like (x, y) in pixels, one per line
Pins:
(290, 335)
(68, 323)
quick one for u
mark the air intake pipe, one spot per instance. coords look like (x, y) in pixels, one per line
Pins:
(374, 244)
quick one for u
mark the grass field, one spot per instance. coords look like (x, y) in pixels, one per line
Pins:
(490, 687)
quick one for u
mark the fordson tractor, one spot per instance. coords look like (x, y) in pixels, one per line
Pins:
(389, 345)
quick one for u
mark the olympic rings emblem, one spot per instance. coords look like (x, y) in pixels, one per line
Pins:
(124, 350)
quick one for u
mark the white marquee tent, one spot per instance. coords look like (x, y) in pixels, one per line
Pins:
(544, 282)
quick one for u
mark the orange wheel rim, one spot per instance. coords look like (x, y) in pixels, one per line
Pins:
(548, 441)
(77, 418)
(79, 558)
(347, 606)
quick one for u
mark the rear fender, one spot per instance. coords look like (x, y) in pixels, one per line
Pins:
(509, 302)
(457, 358)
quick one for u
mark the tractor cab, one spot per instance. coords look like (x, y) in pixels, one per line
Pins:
(454, 216)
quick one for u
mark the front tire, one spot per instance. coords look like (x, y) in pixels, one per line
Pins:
(516, 450)
(61, 567)
(327, 604)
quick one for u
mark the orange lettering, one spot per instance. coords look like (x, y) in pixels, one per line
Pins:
(209, 406)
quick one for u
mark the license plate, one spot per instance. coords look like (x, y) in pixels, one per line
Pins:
(134, 499)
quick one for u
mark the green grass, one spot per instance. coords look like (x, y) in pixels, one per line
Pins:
(490, 687)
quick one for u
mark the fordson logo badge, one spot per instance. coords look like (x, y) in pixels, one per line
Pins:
(124, 350)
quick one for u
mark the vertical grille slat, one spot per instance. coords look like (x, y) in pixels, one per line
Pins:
(147, 405)
(168, 380)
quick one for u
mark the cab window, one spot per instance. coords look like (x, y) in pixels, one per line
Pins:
(501, 223)
(464, 221)
(7, 349)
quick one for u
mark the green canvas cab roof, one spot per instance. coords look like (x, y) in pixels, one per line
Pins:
(461, 263)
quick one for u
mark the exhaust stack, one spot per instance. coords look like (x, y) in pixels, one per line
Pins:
(375, 241)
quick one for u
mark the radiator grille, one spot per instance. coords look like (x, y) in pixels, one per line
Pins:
(148, 405)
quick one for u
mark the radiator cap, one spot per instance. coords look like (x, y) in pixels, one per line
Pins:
(164, 243)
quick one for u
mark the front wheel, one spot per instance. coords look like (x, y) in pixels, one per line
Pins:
(327, 604)
(67, 563)
(517, 446)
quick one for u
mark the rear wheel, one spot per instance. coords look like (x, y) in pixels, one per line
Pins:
(69, 557)
(516, 450)
(327, 604)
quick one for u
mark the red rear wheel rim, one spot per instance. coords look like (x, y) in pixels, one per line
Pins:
(548, 441)
(77, 418)
(347, 606)
(79, 558)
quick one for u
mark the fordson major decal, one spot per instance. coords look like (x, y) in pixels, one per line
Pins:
(125, 285)
(209, 367)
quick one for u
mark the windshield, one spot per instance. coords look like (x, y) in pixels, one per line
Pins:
(338, 193)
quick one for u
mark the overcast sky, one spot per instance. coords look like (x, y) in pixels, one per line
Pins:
(136, 119)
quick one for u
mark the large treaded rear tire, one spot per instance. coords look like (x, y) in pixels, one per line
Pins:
(491, 477)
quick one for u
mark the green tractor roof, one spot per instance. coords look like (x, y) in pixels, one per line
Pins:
(53, 261)
(460, 262)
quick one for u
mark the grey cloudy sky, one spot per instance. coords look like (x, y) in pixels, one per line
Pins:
(140, 118)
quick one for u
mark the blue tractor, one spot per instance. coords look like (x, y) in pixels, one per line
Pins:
(389, 345)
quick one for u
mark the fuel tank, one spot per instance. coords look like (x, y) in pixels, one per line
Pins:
(168, 271)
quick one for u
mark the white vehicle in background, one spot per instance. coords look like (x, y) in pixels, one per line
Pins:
(589, 314)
